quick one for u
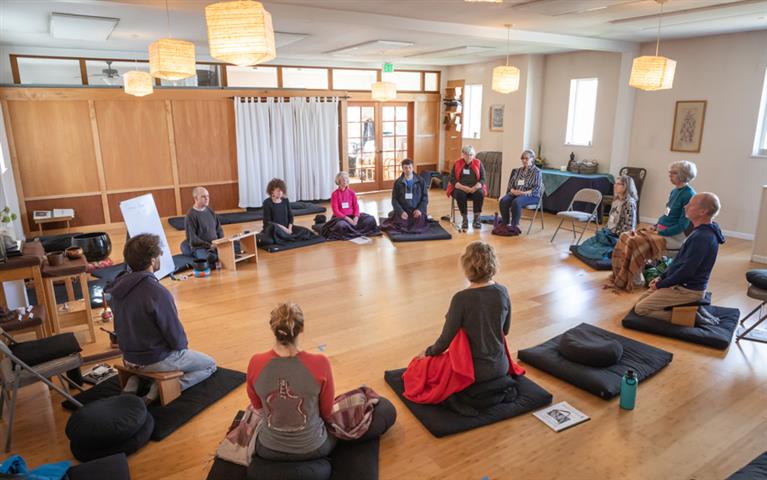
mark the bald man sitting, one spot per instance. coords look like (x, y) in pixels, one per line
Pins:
(686, 279)
(202, 227)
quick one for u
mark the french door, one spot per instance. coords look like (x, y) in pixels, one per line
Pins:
(379, 137)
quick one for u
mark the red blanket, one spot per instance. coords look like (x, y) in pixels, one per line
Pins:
(430, 380)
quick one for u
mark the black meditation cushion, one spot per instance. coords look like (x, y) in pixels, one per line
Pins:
(715, 336)
(384, 416)
(260, 469)
(755, 470)
(36, 352)
(127, 447)
(757, 278)
(107, 422)
(581, 347)
(113, 467)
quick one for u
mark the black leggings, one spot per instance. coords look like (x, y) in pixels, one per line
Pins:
(461, 198)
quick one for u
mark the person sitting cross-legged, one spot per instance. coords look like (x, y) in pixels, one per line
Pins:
(278, 218)
(202, 228)
(149, 332)
(347, 222)
(686, 280)
(622, 218)
(409, 201)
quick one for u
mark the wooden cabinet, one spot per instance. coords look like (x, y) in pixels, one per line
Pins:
(453, 121)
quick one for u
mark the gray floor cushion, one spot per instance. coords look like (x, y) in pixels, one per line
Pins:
(435, 232)
(604, 382)
(714, 336)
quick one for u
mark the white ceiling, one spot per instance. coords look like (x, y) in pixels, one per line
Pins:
(310, 28)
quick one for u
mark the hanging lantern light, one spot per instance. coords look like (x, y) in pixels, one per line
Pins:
(384, 91)
(240, 32)
(171, 59)
(506, 77)
(138, 83)
(653, 72)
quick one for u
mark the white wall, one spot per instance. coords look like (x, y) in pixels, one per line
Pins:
(727, 71)
(559, 69)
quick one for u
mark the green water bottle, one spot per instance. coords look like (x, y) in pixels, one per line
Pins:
(629, 390)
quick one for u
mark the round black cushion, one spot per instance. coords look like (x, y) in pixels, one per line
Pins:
(384, 416)
(582, 347)
(138, 440)
(757, 278)
(107, 422)
(260, 469)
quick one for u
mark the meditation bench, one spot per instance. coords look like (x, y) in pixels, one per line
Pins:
(169, 383)
(685, 314)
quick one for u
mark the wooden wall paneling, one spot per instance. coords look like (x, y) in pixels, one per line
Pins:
(173, 155)
(54, 147)
(15, 167)
(225, 196)
(205, 140)
(426, 126)
(88, 210)
(99, 161)
(164, 199)
(134, 143)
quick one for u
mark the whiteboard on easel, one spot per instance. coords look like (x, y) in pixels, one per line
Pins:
(141, 216)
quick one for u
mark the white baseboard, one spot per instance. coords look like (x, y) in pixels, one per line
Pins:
(759, 258)
(729, 233)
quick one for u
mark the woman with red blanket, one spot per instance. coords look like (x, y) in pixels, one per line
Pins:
(469, 367)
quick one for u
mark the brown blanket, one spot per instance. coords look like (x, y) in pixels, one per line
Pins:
(631, 253)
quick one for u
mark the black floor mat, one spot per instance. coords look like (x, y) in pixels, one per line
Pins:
(253, 215)
(181, 262)
(715, 336)
(755, 470)
(291, 246)
(191, 402)
(441, 421)
(435, 232)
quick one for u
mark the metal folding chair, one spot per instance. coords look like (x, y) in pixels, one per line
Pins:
(749, 333)
(536, 209)
(586, 195)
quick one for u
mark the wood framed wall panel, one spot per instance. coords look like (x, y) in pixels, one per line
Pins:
(426, 132)
(164, 199)
(88, 210)
(222, 197)
(54, 147)
(134, 143)
(205, 140)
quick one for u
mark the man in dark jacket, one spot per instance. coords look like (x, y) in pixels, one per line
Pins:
(148, 329)
(202, 228)
(409, 195)
(686, 279)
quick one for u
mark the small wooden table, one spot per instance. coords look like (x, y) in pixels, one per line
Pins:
(23, 267)
(225, 247)
(79, 311)
(41, 221)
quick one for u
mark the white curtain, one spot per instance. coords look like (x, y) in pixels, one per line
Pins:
(295, 140)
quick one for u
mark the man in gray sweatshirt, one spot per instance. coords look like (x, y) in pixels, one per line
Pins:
(202, 227)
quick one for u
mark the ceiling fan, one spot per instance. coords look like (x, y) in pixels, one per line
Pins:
(109, 75)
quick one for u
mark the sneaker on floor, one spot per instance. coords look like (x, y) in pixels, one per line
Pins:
(153, 394)
(131, 385)
(477, 224)
(465, 223)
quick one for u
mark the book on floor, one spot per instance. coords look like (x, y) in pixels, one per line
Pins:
(561, 416)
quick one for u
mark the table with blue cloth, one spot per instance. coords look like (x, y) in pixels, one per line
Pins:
(561, 187)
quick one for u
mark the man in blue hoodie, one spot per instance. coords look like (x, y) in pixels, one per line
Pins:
(149, 332)
(686, 279)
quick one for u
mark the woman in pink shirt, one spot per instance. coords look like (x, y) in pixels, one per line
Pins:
(347, 222)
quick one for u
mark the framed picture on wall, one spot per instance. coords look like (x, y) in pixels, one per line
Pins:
(688, 125)
(496, 118)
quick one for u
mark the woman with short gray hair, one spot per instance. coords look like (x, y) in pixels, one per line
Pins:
(347, 221)
(467, 182)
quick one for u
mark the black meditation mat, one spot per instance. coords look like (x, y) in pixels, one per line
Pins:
(317, 227)
(95, 290)
(192, 401)
(349, 461)
(602, 264)
(292, 245)
(604, 382)
(755, 470)
(442, 421)
(714, 336)
(253, 214)
(180, 261)
(434, 232)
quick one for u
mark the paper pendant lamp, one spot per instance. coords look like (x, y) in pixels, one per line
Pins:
(384, 91)
(652, 73)
(171, 59)
(240, 32)
(138, 83)
(505, 79)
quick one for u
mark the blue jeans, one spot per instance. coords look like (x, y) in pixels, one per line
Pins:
(515, 204)
(195, 365)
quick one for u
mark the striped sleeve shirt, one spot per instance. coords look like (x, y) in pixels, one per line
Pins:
(532, 180)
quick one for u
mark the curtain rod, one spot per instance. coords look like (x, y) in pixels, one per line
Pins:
(344, 97)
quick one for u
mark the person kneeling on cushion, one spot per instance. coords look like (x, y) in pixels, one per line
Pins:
(347, 222)
(202, 227)
(686, 279)
(149, 332)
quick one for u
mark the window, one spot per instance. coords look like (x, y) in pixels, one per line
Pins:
(581, 113)
(265, 77)
(353, 79)
(49, 71)
(430, 80)
(760, 142)
(294, 77)
(472, 111)
(405, 81)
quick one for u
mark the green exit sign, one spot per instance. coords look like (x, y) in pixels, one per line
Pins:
(388, 67)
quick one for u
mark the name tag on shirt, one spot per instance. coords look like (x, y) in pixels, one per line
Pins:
(408, 196)
(520, 183)
(344, 204)
(465, 171)
(668, 210)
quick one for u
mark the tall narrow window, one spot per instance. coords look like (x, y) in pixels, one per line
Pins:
(760, 142)
(472, 111)
(582, 110)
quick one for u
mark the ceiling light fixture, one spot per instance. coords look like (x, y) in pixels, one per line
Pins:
(506, 78)
(652, 73)
(138, 83)
(171, 59)
(240, 32)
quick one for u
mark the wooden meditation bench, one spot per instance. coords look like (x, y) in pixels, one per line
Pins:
(169, 382)
(684, 315)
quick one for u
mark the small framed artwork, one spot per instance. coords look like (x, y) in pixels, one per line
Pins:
(688, 125)
(496, 118)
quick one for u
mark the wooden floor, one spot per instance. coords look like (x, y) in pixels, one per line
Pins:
(375, 306)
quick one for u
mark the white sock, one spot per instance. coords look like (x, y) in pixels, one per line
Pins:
(153, 393)
(131, 386)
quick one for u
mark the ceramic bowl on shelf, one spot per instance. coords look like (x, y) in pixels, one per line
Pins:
(96, 246)
(73, 253)
(55, 258)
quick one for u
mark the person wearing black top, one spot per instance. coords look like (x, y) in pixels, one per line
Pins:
(202, 228)
(409, 200)
(278, 218)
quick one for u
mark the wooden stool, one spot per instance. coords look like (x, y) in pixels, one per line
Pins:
(23, 267)
(169, 382)
(80, 313)
(225, 248)
(684, 315)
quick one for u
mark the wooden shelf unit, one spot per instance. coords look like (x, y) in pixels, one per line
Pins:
(453, 121)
